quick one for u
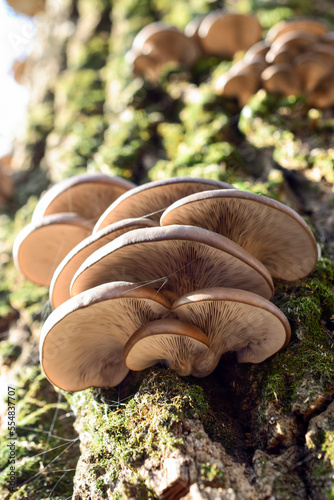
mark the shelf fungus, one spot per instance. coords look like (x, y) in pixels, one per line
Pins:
(87, 195)
(62, 276)
(175, 258)
(42, 244)
(152, 198)
(233, 320)
(82, 341)
(274, 233)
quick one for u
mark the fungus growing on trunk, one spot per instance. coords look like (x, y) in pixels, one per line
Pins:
(233, 320)
(176, 258)
(274, 233)
(43, 244)
(62, 277)
(170, 341)
(82, 341)
(152, 198)
(87, 195)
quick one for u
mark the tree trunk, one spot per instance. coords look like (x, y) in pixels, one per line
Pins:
(246, 431)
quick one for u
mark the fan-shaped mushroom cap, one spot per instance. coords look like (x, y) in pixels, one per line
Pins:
(152, 198)
(323, 95)
(87, 195)
(323, 51)
(233, 320)
(175, 258)
(291, 43)
(272, 232)
(223, 34)
(259, 49)
(166, 44)
(62, 277)
(169, 340)
(82, 341)
(42, 245)
(281, 79)
(239, 86)
(143, 65)
(311, 69)
(314, 26)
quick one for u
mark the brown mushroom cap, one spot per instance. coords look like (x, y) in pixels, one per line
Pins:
(314, 26)
(281, 79)
(166, 44)
(223, 34)
(238, 86)
(82, 341)
(233, 320)
(272, 232)
(323, 94)
(292, 43)
(176, 258)
(311, 69)
(144, 65)
(152, 198)
(259, 49)
(42, 245)
(87, 195)
(171, 341)
(62, 277)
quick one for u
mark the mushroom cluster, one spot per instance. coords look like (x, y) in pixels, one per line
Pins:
(295, 58)
(177, 271)
(219, 33)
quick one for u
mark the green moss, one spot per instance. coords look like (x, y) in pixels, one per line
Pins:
(211, 475)
(304, 370)
(141, 428)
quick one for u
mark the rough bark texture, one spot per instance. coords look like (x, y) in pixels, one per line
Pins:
(246, 432)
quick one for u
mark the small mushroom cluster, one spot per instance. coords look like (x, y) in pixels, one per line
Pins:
(219, 33)
(177, 271)
(295, 58)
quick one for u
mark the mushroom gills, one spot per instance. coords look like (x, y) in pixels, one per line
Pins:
(175, 343)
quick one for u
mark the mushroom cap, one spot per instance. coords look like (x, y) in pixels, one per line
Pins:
(62, 277)
(172, 341)
(166, 44)
(324, 51)
(143, 65)
(87, 195)
(152, 198)
(241, 86)
(42, 245)
(176, 258)
(233, 320)
(259, 49)
(281, 79)
(82, 341)
(309, 25)
(291, 43)
(311, 69)
(223, 34)
(323, 94)
(274, 233)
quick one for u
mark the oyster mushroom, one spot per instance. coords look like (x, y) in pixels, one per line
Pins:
(166, 44)
(152, 198)
(175, 258)
(313, 26)
(281, 79)
(42, 245)
(82, 341)
(272, 232)
(87, 195)
(223, 34)
(233, 320)
(171, 341)
(62, 277)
